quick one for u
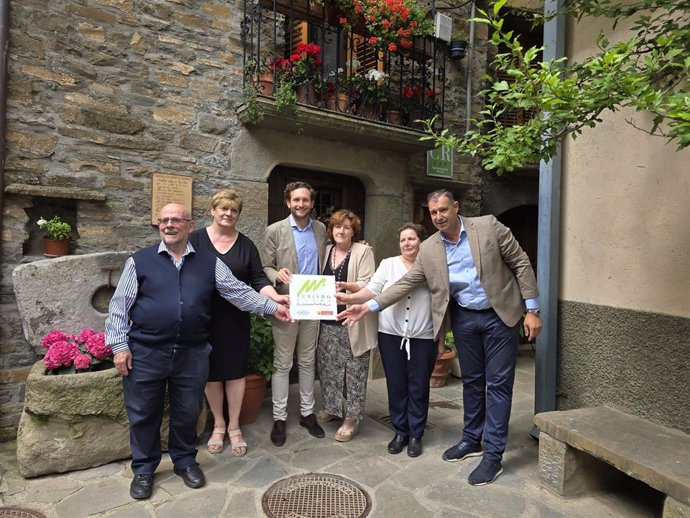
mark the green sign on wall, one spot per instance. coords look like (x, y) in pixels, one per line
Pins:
(439, 162)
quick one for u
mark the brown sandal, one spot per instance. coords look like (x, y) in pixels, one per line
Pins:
(239, 444)
(216, 445)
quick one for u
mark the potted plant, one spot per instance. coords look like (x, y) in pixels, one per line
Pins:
(458, 44)
(369, 92)
(390, 24)
(260, 367)
(337, 91)
(57, 232)
(441, 371)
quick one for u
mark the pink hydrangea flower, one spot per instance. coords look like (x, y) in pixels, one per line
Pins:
(61, 354)
(52, 337)
(85, 334)
(82, 361)
(97, 347)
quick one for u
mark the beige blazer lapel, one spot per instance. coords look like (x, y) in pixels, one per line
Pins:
(439, 256)
(291, 260)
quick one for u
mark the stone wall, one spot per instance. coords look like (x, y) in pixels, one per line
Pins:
(104, 93)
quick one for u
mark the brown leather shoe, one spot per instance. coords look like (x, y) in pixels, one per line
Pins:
(278, 433)
(314, 428)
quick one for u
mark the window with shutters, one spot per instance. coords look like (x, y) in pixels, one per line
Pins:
(356, 79)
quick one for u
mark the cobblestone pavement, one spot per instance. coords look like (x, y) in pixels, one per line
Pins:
(399, 486)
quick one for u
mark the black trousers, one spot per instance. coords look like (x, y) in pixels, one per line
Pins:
(183, 371)
(408, 382)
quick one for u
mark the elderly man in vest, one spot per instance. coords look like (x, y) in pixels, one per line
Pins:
(157, 329)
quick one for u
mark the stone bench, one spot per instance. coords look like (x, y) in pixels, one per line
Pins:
(573, 444)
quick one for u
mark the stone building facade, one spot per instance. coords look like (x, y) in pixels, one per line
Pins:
(105, 93)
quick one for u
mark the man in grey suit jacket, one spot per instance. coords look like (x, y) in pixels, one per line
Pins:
(294, 245)
(482, 283)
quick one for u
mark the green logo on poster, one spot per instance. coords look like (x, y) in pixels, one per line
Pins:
(310, 286)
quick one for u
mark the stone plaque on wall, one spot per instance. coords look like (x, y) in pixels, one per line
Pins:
(169, 188)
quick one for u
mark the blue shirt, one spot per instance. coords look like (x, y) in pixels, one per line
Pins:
(307, 249)
(465, 287)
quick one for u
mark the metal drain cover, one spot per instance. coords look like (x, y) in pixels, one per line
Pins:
(316, 495)
(17, 512)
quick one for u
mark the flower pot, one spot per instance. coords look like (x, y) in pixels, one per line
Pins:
(368, 111)
(457, 48)
(55, 247)
(306, 94)
(76, 421)
(254, 390)
(341, 103)
(441, 371)
(264, 84)
(394, 117)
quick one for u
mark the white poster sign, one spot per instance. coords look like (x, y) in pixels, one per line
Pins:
(312, 297)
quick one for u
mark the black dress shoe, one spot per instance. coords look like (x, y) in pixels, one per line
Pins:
(397, 444)
(314, 428)
(414, 449)
(192, 476)
(278, 433)
(141, 487)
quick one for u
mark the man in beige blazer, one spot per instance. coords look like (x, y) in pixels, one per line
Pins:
(294, 245)
(481, 283)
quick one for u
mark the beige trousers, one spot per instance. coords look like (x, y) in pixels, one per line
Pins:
(300, 336)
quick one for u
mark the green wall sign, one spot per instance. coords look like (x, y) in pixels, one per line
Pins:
(439, 162)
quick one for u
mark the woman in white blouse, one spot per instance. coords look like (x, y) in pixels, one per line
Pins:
(406, 342)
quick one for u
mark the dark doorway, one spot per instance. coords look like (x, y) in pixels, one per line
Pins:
(333, 192)
(523, 222)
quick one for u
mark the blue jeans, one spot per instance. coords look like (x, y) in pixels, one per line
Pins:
(487, 349)
(183, 371)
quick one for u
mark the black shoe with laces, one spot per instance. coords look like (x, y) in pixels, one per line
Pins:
(313, 427)
(192, 476)
(278, 433)
(141, 487)
(485, 473)
(461, 451)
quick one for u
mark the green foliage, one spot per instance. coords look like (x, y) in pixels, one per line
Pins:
(648, 72)
(55, 228)
(254, 110)
(286, 97)
(449, 341)
(261, 347)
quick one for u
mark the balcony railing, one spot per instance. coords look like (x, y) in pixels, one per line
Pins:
(352, 76)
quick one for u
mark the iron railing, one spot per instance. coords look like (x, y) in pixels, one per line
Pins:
(385, 87)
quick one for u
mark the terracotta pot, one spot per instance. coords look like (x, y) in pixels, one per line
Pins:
(368, 111)
(264, 84)
(341, 103)
(306, 94)
(55, 248)
(394, 117)
(254, 391)
(441, 371)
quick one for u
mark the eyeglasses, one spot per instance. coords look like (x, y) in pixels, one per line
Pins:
(172, 221)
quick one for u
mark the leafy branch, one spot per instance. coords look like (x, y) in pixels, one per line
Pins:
(647, 72)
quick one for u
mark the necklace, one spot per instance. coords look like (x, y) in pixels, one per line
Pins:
(338, 271)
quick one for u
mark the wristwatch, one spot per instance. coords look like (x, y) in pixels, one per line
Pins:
(535, 311)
